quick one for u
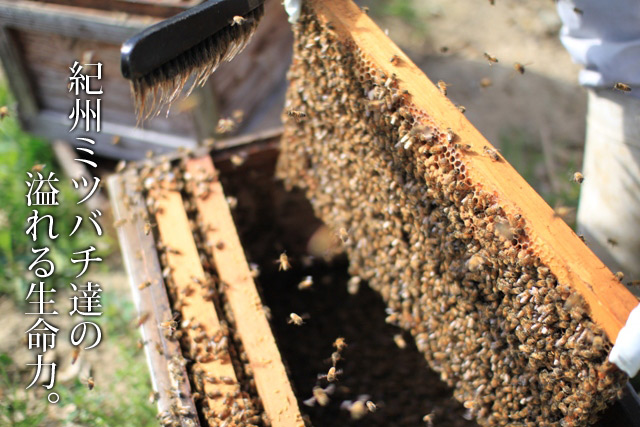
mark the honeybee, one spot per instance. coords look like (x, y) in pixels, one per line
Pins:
(451, 136)
(622, 87)
(492, 2)
(613, 242)
(371, 406)
(295, 319)
(357, 409)
(353, 285)
(443, 87)
(335, 357)
(343, 234)
(142, 319)
(399, 340)
(578, 177)
(298, 115)
(395, 60)
(493, 155)
(306, 283)
(121, 165)
(485, 82)
(429, 419)
(284, 262)
(90, 383)
(462, 147)
(320, 395)
(75, 355)
(144, 284)
(238, 20)
(620, 276)
(4, 112)
(332, 375)
(147, 228)
(254, 270)
(461, 108)
(225, 125)
(578, 11)
(37, 167)
(476, 262)
(153, 396)
(237, 115)
(519, 67)
(116, 140)
(340, 343)
(492, 59)
(170, 324)
(238, 159)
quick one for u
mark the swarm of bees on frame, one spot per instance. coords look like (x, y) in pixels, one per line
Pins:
(453, 268)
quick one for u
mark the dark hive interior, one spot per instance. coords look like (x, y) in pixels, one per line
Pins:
(452, 269)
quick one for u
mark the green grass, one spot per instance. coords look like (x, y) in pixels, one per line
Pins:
(19, 152)
(403, 10)
(121, 399)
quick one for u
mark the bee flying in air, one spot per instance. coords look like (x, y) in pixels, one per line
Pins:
(295, 319)
(340, 343)
(622, 87)
(284, 262)
(75, 355)
(519, 67)
(578, 177)
(320, 396)
(485, 82)
(306, 283)
(492, 59)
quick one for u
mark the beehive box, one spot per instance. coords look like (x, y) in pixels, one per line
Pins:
(90, 31)
(381, 362)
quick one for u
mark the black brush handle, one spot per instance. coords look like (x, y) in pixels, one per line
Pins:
(159, 43)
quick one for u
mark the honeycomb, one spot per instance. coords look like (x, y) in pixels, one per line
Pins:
(453, 268)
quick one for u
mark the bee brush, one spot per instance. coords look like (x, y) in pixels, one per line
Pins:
(161, 59)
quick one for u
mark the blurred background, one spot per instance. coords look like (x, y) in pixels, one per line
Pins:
(536, 119)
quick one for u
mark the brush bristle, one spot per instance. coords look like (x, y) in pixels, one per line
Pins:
(162, 87)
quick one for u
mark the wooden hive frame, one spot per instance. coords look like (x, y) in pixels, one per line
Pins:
(558, 246)
(374, 132)
(184, 270)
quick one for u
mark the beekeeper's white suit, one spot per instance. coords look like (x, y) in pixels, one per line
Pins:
(604, 36)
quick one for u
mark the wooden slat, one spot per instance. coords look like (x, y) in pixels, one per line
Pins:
(142, 264)
(552, 239)
(270, 375)
(175, 233)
